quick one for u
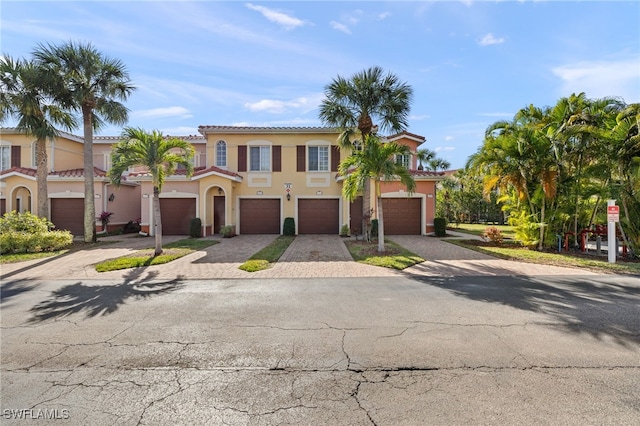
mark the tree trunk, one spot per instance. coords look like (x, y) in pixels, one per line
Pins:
(366, 209)
(41, 178)
(89, 194)
(157, 221)
(380, 220)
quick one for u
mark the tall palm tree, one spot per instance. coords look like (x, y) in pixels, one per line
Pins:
(375, 162)
(23, 96)
(358, 106)
(93, 84)
(160, 155)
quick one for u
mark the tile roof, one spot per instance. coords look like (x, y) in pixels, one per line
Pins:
(116, 139)
(215, 169)
(257, 129)
(22, 170)
(425, 173)
(77, 173)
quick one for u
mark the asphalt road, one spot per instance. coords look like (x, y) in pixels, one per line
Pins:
(384, 351)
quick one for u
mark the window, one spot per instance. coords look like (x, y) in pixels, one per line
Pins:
(404, 160)
(5, 157)
(259, 158)
(34, 154)
(221, 154)
(318, 159)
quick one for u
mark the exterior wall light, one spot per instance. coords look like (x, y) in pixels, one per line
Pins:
(288, 197)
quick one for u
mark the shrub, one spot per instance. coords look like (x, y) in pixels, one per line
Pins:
(440, 226)
(345, 231)
(228, 231)
(28, 233)
(195, 228)
(526, 230)
(493, 234)
(374, 228)
(289, 226)
(24, 222)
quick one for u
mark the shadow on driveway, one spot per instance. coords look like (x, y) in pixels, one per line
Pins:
(93, 300)
(598, 306)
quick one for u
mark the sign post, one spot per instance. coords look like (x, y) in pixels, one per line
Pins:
(613, 216)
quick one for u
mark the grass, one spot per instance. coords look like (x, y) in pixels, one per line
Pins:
(171, 251)
(268, 255)
(478, 229)
(21, 257)
(394, 256)
(512, 251)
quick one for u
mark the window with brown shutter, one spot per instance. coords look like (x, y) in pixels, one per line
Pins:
(242, 158)
(15, 156)
(335, 158)
(301, 158)
(276, 158)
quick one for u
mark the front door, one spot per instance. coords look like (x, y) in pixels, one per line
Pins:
(218, 213)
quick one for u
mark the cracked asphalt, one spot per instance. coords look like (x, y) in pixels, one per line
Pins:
(400, 349)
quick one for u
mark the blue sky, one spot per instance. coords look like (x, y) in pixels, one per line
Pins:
(470, 63)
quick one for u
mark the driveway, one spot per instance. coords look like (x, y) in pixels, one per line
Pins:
(307, 257)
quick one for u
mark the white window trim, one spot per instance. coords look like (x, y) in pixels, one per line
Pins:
(217, 162)
(260, 144)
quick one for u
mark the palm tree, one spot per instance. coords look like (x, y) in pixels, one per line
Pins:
(375, 162)
(23, 96)
(160, 155)
(93, 84)
(433, 163)
(353, 104)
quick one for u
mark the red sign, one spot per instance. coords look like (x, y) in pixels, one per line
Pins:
(613, 213)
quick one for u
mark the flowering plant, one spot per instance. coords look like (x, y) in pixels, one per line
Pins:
(104, 217)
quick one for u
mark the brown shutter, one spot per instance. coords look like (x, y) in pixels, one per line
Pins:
(15, 156)
(335, 157)
(242, 158)
(301, 158)
(276, 158)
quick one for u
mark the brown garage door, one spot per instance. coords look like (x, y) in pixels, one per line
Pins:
(402, 216)
(68, 213)
(260, 216)
(318, 216)
(176, 215)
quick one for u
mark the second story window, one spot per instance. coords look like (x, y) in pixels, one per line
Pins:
(5, 157)
(259, 158)
(404, 160)
(221, 154)
(318, 159)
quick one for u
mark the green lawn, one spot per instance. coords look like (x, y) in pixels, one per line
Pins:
(268, 255)
(478, 229)
(514, 252)
(171, 251)
(394, 256)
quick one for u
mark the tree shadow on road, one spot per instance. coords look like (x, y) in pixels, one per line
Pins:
(94, 300)
(598, 306)
(10, 289)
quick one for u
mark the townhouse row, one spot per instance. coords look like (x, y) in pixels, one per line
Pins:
(251, 178)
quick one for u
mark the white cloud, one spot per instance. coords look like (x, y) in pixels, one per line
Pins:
(280, 18)
(278, 107)
(598, 79)
(384, 15)
(340, 27)
(444, 148)
(173, 111)
(419, 117)
(497, 114)
(490, 39)
(448, 138)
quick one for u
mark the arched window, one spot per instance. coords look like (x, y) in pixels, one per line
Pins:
(221, 154)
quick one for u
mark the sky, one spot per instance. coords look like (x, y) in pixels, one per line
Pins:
(267, 63)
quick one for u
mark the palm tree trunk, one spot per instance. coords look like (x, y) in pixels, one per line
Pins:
(89, 194)
(41, 178)
(366, 210)
(157, 221)
(380, 225)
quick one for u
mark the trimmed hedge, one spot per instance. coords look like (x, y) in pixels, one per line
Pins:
(440, 225)
(28, 233)
(195, 228)
(289, 226)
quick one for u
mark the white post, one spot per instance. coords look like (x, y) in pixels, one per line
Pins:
(611, 237)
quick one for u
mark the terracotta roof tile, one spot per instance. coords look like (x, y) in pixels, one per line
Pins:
(22, 170)
(77, 173)
(216, 170)
(257, 129)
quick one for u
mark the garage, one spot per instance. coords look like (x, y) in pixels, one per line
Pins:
(318, 216)
(68, 213)
(260, 216)
(176, 215)
(402, 216)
